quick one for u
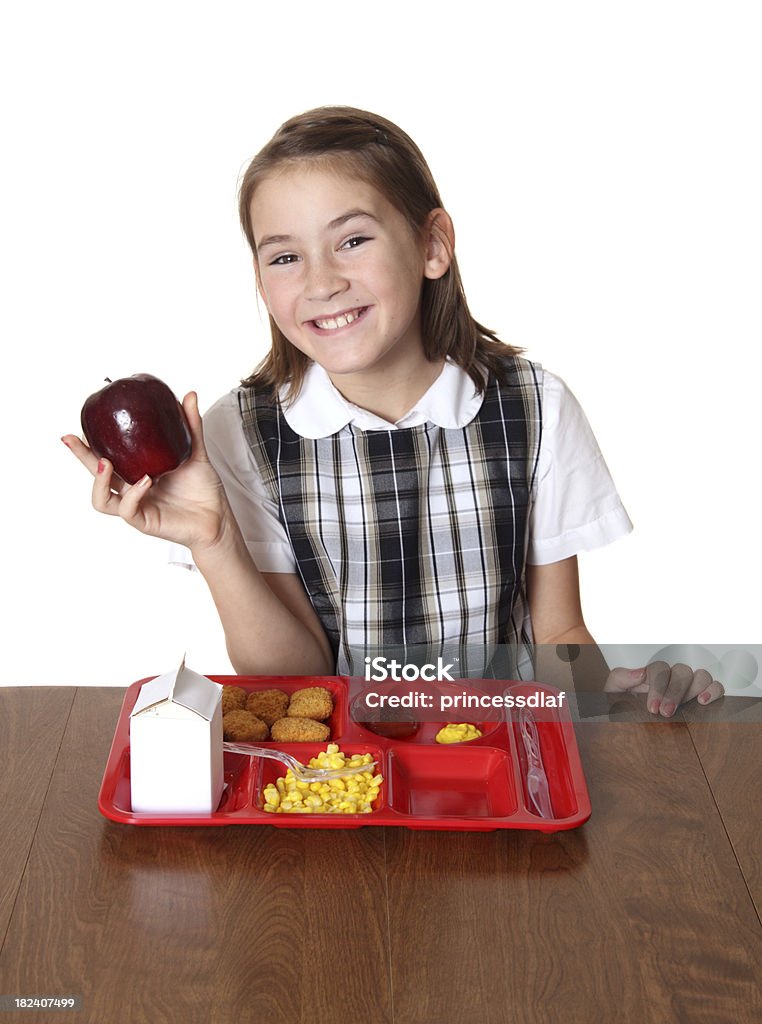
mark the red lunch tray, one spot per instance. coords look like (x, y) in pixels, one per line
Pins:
(474, 786)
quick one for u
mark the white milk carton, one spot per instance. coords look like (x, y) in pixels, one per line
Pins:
(176, 745)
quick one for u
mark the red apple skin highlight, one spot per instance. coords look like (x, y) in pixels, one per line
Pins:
(137, 424)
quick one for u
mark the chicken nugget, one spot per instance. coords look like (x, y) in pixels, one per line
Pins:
(311, 702)
(300, 730)
(243, 727)
(233, 699)
(269, 705)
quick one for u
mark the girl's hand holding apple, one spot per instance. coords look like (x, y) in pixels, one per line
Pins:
(187, 505)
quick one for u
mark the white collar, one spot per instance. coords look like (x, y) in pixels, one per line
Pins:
(320, 410)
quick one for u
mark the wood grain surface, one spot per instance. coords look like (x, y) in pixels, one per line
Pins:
(32, 724)
(641, 915)
(645, 914)
(730, 750)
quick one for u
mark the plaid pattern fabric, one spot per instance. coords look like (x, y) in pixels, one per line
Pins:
(412, 540)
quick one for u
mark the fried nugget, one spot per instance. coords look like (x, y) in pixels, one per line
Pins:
(269, 705)
(300, 730)
(233, 699)
(311, 702)
(243, 727)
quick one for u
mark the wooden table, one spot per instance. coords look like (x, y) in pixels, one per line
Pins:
(648, 913)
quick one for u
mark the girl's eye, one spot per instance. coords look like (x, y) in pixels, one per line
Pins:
(354, 241)
(284, 260)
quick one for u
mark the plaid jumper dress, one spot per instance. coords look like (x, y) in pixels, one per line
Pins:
(411, 542)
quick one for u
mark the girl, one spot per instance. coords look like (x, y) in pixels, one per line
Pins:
(392, 476)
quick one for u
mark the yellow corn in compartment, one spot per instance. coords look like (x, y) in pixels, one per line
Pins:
(458, 733)
(352, 794)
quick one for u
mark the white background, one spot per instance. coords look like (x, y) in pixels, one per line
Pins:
(602, 164)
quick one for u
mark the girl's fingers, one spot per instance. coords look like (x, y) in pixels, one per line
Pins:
(129, 502)
(685, 684)
(83, 452)
(701, 681)
(125, 504)
(626, 680)
(105, 499)
(657, 675)
(668, 686)
(90, 460)
(713, 692)
(193, 416)
(678, 689)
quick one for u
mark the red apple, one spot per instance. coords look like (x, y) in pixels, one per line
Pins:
(138, 425)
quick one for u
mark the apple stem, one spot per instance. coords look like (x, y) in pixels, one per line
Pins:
(107, 380)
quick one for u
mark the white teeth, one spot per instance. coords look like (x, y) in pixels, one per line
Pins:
(333, 323)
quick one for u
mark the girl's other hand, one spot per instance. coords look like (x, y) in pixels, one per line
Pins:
(187, 506)
(667, 686)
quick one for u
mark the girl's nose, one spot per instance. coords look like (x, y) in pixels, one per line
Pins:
(324, 282)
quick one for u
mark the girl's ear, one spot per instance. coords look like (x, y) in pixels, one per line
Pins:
(439, 239)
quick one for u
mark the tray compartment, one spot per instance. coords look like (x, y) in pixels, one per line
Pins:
(272, 770)
(240, 773)
(421, 724)
(489, 733)
(551, 731)
(426, 733)
(337, 722)
(557, 768)
(456, 780)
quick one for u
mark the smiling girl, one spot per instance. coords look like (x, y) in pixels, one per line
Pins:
(392, 476)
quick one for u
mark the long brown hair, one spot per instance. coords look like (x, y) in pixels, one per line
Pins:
(382, 155)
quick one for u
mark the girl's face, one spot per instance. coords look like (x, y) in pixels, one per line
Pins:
(341, 271)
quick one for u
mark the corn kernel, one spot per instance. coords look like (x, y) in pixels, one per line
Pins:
(350, 795)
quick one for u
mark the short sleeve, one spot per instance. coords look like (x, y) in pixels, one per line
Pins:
(255, 511)
(575, 506)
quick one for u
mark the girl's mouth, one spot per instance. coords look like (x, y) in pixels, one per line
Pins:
(334, 323)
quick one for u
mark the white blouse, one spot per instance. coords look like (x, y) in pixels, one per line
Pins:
(575, 506)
